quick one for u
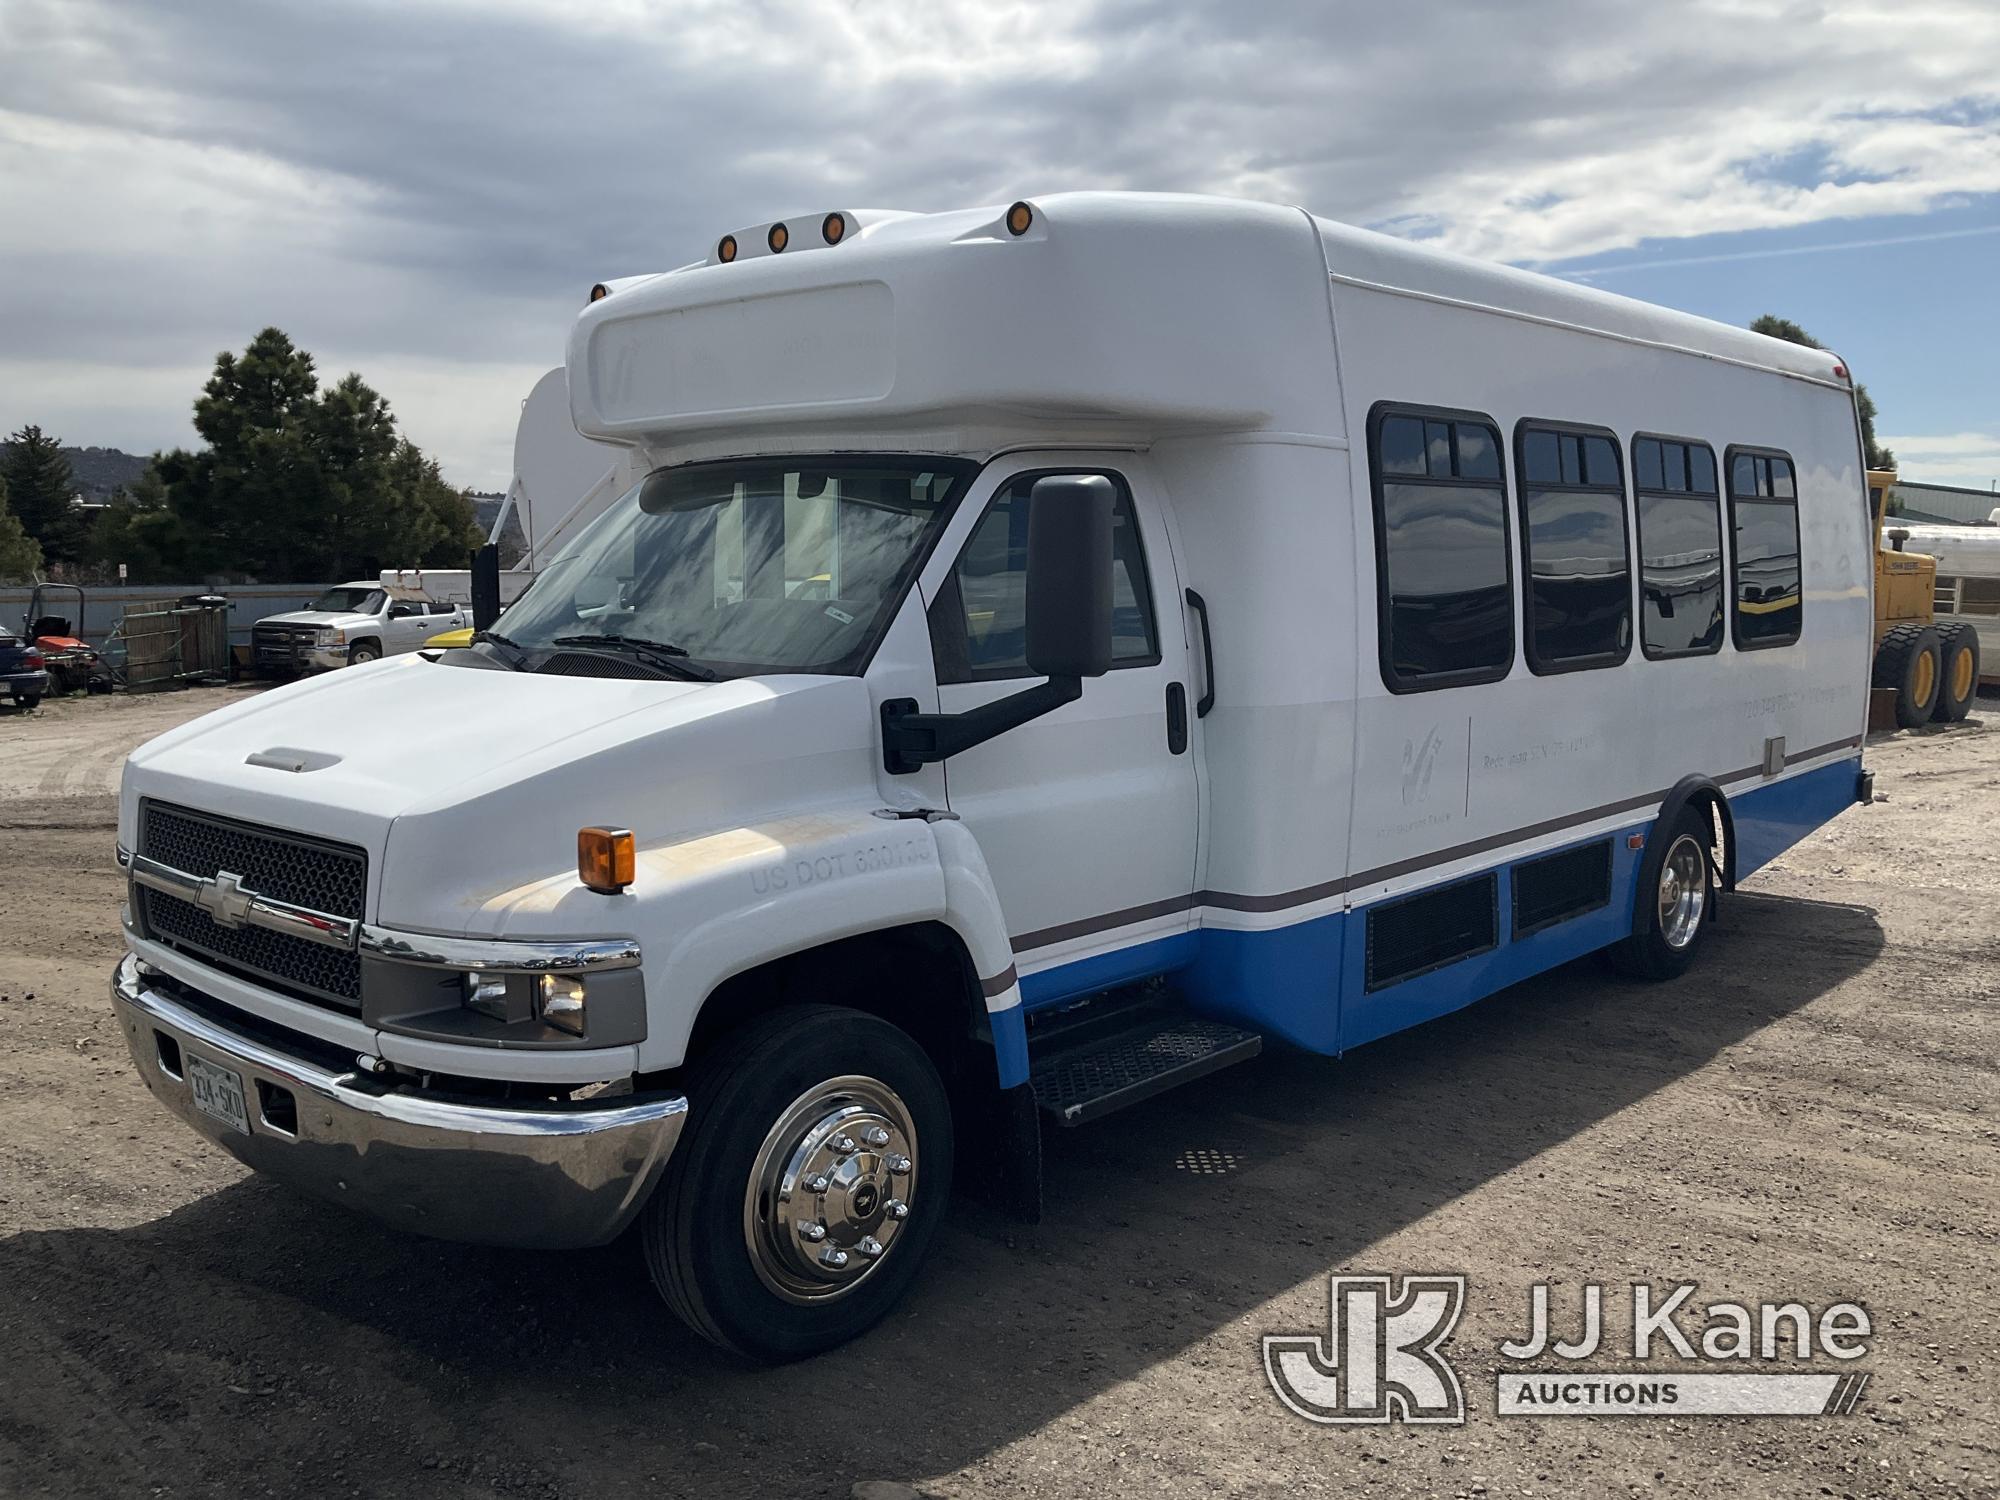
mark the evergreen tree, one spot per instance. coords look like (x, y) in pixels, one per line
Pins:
(20, 554)
(40, 487)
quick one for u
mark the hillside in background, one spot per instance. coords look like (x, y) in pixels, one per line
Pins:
(99, 471)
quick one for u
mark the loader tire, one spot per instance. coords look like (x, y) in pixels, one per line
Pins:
(1908, 661)
(1958, 671)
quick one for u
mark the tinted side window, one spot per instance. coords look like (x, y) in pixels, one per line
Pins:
(1764, 514)
(1579, 574)
(1442, 577)
(1680, 547)
(981, 634)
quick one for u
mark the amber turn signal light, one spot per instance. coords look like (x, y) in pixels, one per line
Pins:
(726, 251)
(1019, 219)
(833, 228)
(778, 238)
(605, 858)
(599, 292)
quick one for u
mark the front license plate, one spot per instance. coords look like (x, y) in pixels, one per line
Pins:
(218, 1093)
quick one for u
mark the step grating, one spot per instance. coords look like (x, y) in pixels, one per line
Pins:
(1083, 1082)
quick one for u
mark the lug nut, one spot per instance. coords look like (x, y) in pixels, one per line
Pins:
(842, 1145)
(812, 1231)
(870, 1247)
(818, 1183)
(896, 1209)
(897, 1164)
(833, 1259)
(875, 1136)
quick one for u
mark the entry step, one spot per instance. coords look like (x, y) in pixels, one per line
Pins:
(1099, 1069)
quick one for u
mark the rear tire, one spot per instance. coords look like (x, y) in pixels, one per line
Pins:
(1673, 914)
(1907, 660)
(737, 1237)
(27, 702)
(1958, 672)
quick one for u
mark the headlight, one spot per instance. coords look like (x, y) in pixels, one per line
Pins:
(327, 635)
(561, 1006)
(553, 999)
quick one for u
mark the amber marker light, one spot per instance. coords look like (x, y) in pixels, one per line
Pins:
(1020, 218)
(833, 228)
(726, 251)
(605, 858)
(599, 292)
(778, 238)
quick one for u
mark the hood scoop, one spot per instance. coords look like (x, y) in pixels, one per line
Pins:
(283, 758)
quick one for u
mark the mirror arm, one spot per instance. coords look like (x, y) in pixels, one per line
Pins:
(911, 740)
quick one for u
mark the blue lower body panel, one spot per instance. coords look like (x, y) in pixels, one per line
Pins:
(1307, 982)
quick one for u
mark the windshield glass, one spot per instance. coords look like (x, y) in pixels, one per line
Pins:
(349, 600)
(749, 565)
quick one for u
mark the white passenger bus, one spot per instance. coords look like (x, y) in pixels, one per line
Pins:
(1020, 603)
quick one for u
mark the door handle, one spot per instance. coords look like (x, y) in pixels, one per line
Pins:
(1176, 718)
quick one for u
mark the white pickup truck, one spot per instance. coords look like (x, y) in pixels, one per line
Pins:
(1050, 651)
(349, 623)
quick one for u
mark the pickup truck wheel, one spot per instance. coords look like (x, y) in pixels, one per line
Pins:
(365, 651)
(808, 1185)
(1674, 914)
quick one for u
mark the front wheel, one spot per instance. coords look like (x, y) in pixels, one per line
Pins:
(808, 1185)
(1675, 910)
(366, 651)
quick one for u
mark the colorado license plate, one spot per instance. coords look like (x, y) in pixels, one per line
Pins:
(217, 1093)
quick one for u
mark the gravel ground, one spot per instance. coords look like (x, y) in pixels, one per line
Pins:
(1809, 1115)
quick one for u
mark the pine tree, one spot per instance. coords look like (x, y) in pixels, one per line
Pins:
(40, 487)
(20, 554)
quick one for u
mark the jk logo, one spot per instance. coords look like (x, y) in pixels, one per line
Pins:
(1379, 1362)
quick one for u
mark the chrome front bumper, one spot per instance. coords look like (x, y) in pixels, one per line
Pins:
(552, 1176)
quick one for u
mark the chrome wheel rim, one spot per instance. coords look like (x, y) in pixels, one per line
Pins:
(831, 1189)
(1683, 891)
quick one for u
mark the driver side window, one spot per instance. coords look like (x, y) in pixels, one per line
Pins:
(979, 619)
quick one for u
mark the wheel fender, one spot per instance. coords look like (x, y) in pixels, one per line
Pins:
(1687, 791)
(972, 910)
(367, 640)
(729, 901)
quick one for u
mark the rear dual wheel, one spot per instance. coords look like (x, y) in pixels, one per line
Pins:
(1958, 672)
(1676, 906)
(1908, 660)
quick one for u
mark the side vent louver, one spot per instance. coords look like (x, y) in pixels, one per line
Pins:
(1559, 886)
(1420, 933)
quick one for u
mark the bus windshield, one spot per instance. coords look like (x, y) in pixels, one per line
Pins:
(747, 566)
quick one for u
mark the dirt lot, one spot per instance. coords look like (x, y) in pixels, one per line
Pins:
(1811, 1114)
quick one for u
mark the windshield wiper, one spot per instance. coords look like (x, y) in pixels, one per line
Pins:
(515, 654)
(662, 654)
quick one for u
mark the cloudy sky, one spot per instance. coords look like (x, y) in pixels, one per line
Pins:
(423, 189)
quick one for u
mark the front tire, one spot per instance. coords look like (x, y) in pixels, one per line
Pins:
(1675, 911)
(366, 651)
(808, 1186)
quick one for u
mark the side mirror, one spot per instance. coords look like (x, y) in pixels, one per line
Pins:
(403, 611)
(1069, 576)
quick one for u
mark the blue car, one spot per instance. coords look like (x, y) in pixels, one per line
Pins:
(22, 671)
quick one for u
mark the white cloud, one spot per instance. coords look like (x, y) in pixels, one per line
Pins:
(1964, 458)
(422, 189)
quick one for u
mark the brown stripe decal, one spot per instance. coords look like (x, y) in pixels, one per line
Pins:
(1307, 894)
(999, 984)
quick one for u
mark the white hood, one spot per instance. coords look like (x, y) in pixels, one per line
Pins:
(480, 779)
(320, 617)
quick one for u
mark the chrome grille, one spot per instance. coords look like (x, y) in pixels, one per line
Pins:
(315, 873)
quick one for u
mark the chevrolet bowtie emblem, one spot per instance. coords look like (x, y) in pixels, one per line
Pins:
(224, 899)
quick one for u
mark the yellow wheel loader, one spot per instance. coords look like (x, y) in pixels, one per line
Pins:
(1923, 670)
